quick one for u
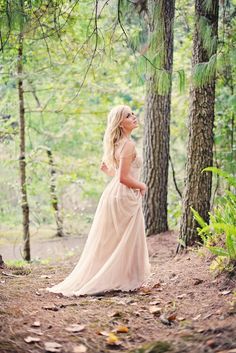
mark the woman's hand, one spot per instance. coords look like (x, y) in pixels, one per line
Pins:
(143, 189)
(106, 170)
(104, 167)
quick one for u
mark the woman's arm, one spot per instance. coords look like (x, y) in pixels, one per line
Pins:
(126, 158)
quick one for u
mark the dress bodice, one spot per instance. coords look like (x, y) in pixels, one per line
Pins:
(136, 163)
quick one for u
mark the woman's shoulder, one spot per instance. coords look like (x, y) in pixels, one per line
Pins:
(128, 148)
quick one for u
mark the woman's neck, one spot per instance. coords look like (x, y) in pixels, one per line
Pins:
(126, 136)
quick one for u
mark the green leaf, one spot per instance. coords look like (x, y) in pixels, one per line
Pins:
(218, 251)
(230, 179)
(198, 218)
(231, 246)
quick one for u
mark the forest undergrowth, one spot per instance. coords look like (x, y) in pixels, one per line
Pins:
(183, 308)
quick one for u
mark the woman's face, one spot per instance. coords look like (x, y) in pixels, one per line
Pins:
(129, 121)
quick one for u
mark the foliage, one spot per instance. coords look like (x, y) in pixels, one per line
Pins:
(219, 236)
(67, 100)
(66, 106)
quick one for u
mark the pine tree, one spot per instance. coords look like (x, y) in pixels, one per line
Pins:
(197, 193)
(157, 114)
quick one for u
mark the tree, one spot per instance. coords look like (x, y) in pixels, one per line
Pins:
(22, 160)
(20, 20)
(197, 192)
(157, 114)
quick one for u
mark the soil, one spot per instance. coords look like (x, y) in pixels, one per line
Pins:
(183, 308)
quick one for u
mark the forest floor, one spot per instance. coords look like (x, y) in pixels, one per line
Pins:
(183, 308)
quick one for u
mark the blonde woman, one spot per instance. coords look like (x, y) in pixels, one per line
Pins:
(115, 256)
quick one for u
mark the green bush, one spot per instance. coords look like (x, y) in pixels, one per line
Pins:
(219, 236)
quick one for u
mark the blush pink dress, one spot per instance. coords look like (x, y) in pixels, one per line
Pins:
(115, 256)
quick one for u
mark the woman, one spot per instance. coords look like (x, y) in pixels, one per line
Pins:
(115, 256)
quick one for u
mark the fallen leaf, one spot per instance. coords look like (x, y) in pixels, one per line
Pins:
(155, 302)
(172, 317)
(156, 285)
(36, 324)
(181, 296)
(200, 330)
(197, 281)
(37, 293)
(225, 292)
(113, 340)
(115, 314)
(80, 349)
(122, 329)
(35, 331)
(181, 318)
(155, 310)
(53, 308)
(30, 339)
(164, 320)
(8, 274)
(145, 291)
(75, 328)
(52, 347)
(207, 316)
(45, 276)
(211, 343)
(103, 333)
(197, 317)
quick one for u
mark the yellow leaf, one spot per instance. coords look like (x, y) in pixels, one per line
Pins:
(122, 329)
(113, 339)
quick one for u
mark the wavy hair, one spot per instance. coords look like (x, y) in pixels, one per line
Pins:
(113, 134)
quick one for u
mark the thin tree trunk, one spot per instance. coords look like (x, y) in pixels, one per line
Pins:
(2, 264)
(22, 161)
(157, 120)
(54, 199)
(197, 192)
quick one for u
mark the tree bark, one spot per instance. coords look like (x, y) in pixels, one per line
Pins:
(197, 192)
(22, 161)
(54, 199)
(157, 120)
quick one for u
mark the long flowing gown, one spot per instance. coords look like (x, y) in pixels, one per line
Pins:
(115, 256)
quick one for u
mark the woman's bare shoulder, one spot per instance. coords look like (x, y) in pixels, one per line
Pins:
(129, 148)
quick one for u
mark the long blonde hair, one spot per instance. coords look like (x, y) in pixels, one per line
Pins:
(113, 134)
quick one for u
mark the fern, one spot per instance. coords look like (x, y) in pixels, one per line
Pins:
(218, 251)
(198, 218)
(230, 179)
(222, 226)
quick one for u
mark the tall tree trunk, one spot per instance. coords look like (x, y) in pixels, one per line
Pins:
(157, 117)
(197, 193)
(22, 161)
(54, 199)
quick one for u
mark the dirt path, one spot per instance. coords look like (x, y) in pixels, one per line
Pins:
(183, 309)
(47, 248)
